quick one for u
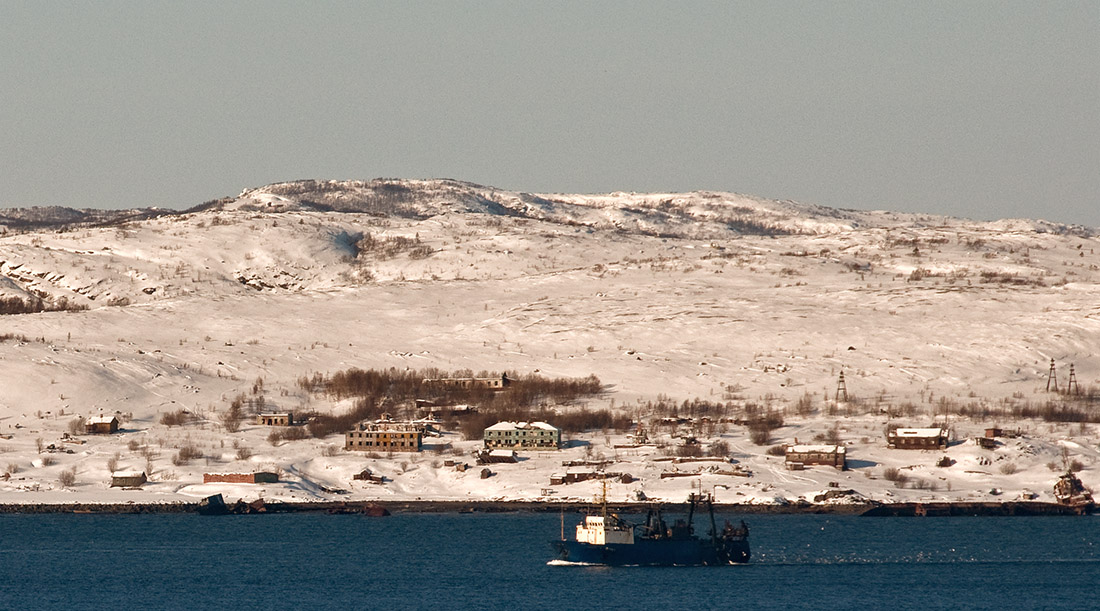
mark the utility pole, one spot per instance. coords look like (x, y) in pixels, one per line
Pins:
(1052, 377)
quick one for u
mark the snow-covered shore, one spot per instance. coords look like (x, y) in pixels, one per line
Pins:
(676, 296)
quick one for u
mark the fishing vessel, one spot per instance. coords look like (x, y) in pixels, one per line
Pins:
(607, 539)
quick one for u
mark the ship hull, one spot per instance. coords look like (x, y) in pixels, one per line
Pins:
(688, 552)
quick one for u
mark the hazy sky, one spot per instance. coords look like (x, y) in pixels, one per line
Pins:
(982, 109)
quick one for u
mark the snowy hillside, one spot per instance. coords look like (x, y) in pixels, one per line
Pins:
(716, 296)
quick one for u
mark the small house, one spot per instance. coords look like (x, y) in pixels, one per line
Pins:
(101, 425)
(798, 456)
(523, 435)
(276, 418)
(128, 479)
(917, 439)
(994, 432)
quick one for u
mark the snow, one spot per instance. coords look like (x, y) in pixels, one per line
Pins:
(658, 295)
(821, 449)
(927, 432)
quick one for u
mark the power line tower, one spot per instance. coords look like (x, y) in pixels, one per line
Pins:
(1052, 378)
(1072, 388)
(841, 389)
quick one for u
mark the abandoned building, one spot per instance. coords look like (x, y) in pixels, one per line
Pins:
(485, 457)
(799, 456)
(917, 439)
(259, 477)
(276, 418)
(523, 435)
(385, 436)
(469, 383)
(101, 425)
(128, 479)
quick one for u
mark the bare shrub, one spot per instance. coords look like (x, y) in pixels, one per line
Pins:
(1008, 468)
(176, 418)
(47, 461)
(831, 436)
(689, 450)
(76, 425)
(895, 475)
(244, 453)
(112, 463)
(1076, 465)
(67, 477)
(294, 433)
(777, 450)
(330, 450)
(12, 468)
(760, 429)
(185, 454)
(719, 448)
(133, 445)
(233, 417)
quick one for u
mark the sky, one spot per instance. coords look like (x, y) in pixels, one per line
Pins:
(981, 109)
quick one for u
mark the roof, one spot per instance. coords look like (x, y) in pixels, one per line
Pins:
(806, 449)
(128, 474)
(513, 426)
(933, 432)
(102, 420)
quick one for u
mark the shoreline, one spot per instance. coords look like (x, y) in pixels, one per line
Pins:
(936, 509)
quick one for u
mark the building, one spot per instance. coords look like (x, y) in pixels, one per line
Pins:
(799, 456)
(485, 457)
(917, 439)
(385, 436)
(128, 479)
(276, 418)
(470, 383)
(259, 477)
(101, 425)
(523, 435)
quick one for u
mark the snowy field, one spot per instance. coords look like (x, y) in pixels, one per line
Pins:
(714, 296)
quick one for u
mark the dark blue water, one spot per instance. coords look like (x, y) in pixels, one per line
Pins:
(495, 561)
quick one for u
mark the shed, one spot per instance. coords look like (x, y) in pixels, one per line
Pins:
(128, 479)
(101, 425)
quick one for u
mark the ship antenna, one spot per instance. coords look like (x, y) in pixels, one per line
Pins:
(603, 500)
(713, 526)
(562, 508)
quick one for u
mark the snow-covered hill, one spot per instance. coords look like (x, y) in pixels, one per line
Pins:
(703, 295)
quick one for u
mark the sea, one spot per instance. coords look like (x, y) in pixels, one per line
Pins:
(502, 561)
